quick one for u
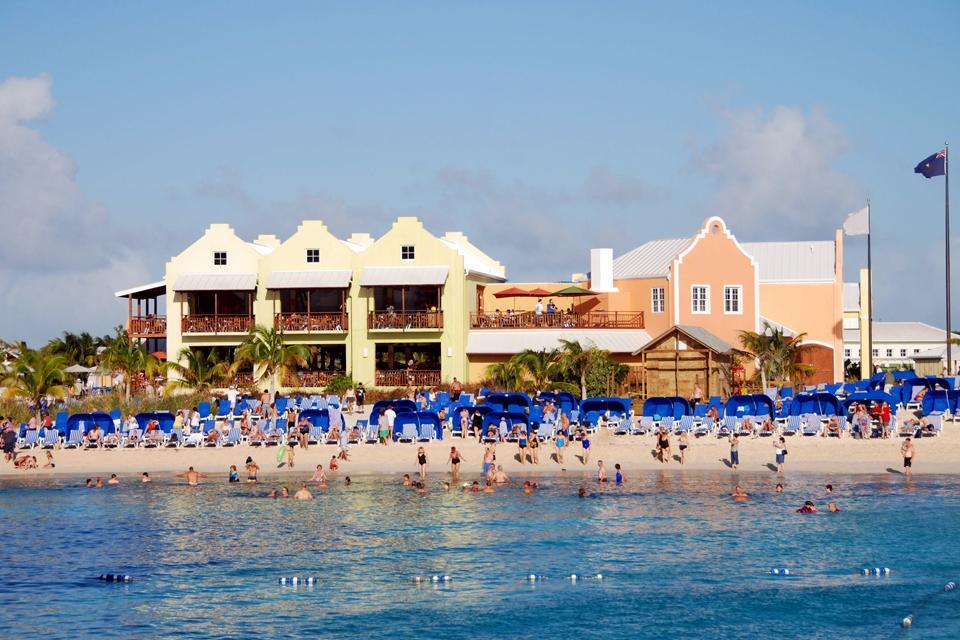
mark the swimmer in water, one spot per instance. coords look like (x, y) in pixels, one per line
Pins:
(582, 492)
(618, 477)
(807, 507)
(779, 488)
(318, 475)
(833, 508)
(99, 483)
(406, 480)
(527, 487)
(446, 486)
(829, 488)
(89, 483)
(284, 492)
(233, 475)
(472, 488)
(252, 468)
(739, 494)
(192, 476)
(347, 481)
(113, 479)
(601, 472)
(488, 488)
(303, 493)
(145, 477)
(500, 476)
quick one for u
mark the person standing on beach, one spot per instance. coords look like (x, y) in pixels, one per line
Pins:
(489, 455)
(906, 449)
(682, 443)
(391, 419)
(454, 460)
(734, 451)
(360, 392)
(522, 444)
(422, 462)
(585, 443)
(560, 443)
(780, 447)
(192, 476)
(601, 472)
(455, 390)
(534, 447)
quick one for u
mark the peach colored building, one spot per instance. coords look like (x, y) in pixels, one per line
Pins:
(711, 281)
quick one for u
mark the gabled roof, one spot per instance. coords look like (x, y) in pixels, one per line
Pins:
(474, 260)
(650, 260)
(900, 332)
(802, 261)
(695, 333)
(151, 290)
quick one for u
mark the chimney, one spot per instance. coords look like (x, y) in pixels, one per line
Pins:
(601, 270)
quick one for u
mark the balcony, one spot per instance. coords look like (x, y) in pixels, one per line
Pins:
(405, 321)
(310, 322)
(402, 377)
(587, 320)
(310, 378)
(217, 323)
(147, 326)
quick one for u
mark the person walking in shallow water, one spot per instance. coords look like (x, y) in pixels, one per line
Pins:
(906, 449)
(780, 447)
(734, 451)
(422, 462)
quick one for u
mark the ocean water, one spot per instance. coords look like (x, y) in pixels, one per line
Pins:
(679, 558)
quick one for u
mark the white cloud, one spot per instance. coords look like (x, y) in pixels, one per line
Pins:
(779, 168)
(61, 253)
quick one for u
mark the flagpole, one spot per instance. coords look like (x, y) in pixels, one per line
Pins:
(869, 354)
(946, 216)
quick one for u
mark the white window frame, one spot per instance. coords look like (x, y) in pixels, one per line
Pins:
(663, 299)
(876, 353)
(847, 353)
(739, 289)
(903, 353)
(693, 302)
(217, 253)
(413, 252)
(889, 353)
(307, 256)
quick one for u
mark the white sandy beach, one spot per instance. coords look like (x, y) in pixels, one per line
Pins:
(807, 454)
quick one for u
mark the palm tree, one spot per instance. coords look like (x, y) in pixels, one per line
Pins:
(198, 372)
(777, 355)
(540, 365)
(35, 375)
(506, 375)
(576, 360)
(130, 358)
(270, 356)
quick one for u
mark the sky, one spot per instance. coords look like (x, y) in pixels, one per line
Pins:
(540, 129)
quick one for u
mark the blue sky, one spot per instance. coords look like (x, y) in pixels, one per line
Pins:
(539, 128)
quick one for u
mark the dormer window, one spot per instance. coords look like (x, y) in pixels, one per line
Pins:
(219, 258)
(407, 252)
(313, 256)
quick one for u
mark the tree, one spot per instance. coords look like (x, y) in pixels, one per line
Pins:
(35, 375)
(576, 360)
(777, 355)
(540, 365)
(270, 356)
(198, 372)
(505, 375)
(76, 349)
(130, 358)
(605, 374)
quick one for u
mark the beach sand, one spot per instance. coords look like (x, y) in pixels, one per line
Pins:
(806, 454)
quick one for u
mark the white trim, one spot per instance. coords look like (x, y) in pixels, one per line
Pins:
(830, 282)
(226, 260)
(663, 300)
(818, 343)
(306, 255)
(693, 310)
(739, 288)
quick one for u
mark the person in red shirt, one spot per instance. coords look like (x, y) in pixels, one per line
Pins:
(807, 508)
(885, 419)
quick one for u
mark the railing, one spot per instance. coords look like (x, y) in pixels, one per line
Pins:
(559, 320)
(403, 377)
(309, 378)
(243, 378)
(216, 324)
(405, 320)
(147, 325)
(332, 321)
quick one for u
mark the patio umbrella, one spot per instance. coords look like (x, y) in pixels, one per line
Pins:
(512, 292)
(79, 368)
(574, 291)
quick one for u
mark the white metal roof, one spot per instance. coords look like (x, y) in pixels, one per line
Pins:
(475, 262)
(851, 296)
(154, 288)
(510, 341)
(215, 282)
(804, 261)
(900, 332)
(262, 249)
(649, 260)
(390, 276)
(787, 331)
(936, 353)
(312, 279)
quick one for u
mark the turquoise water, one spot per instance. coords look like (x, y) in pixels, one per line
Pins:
(679, 559)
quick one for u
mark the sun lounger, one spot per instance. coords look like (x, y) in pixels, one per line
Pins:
(685, 425)
(426, 433)
(30, 439)
(728, 426)
(232, 439)
(646, 424)
(315, 436)
(74, 440)
(704, 428)
(408, 433)
(811, 425)
(792, 427)
(745, 427)
(666, 422)
(546, 430)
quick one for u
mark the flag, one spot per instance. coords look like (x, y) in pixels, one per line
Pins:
(935, 165)
(857, 223)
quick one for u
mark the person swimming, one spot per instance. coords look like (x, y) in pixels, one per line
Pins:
(233, 475)
(779, 488)
(833, 508)
(808, 507)
(739, 494)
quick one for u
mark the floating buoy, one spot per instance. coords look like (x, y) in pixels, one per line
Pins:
(114, 577)
(535, 578)
(876, 571)
(447, 578)
(950, 586)
(599, 576)
(779, 572)
(435, 579)
(573, 577)
(417, 579)
(908, 621)
(296, 580)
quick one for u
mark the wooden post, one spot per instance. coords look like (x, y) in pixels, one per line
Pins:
(676, 372)
(308, 309)
(129, 311)
(249, 308)
(709, 368)
(216, 311)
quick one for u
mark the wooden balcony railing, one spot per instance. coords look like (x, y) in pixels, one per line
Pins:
(308, 322)
(402, 377)
(405, 320)
(147, 326)
(309, 379)
(243, 378)
(216, 324)
(587, 320)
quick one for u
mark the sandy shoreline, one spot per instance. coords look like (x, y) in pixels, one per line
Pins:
(807, 454)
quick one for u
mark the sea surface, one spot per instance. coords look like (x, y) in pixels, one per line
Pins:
(679, 559)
